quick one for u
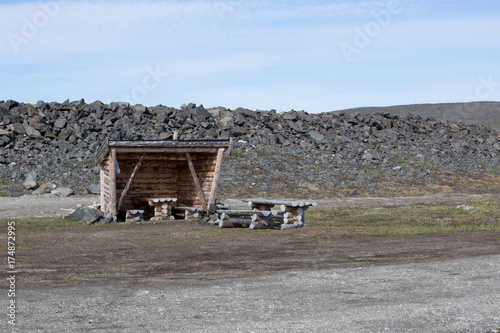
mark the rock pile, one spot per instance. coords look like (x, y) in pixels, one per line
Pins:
(292, 153)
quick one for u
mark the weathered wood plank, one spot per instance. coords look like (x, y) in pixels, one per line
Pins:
(196, 181)
(102, 152)
(112, 181)
(151, 157)
(172, 150)
(286, 203)
(101, 187)
(215, 180)
(130, 181)
(248, 212)
(170, 143)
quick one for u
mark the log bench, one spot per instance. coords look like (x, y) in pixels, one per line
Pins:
(254, 219)
(185, 212)
(293, 211)
(162, 207)
(134, 215)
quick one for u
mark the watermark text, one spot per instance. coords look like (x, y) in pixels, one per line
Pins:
(364, 36)
(11, 272)
(32, 25)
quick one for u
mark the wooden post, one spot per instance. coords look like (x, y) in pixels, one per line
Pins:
(215, 182)
(112, 182)
(102, 200)
(131, 179)
(196, 181)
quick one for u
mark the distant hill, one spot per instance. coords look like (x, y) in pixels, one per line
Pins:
(481, 113)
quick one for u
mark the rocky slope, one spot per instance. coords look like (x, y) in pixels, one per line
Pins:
(292, 154)
(478, 113)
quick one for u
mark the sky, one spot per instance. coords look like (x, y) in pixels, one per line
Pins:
(316, 56)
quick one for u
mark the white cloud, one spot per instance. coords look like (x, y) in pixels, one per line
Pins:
(93, 26)
(103, 47)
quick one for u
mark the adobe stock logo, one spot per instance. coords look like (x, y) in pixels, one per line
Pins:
(364, 36)
(150, 82)
(484, 90)
(32, 26)
(222, 8)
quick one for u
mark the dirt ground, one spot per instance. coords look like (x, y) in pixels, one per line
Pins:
(52, 205)
(84, 265)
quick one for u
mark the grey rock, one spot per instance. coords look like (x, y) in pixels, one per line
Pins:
(239, 131)
(310, 186)
(63, 192)
(17, 128)
(354, 193)
(44, 189)
(85, 215)
(316, 135)
(110, 218)
(93, 189)
(30, 182)
(139, 107)
(200, 113)
(60, 122)
(227, 122)
(65, 134)
(245, 113)
(239, 119)
(31, 131)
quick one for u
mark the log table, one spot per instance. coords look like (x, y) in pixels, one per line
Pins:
(293, 211)
(162, 207)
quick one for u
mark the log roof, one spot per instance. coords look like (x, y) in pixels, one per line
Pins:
(165, 146)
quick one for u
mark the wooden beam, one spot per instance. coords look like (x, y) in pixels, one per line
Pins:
(112, 182)
(196, 181)
(102, 152)
(171, 143)
(130, 181)
(173, 150)
(215, 181)
(101, 188)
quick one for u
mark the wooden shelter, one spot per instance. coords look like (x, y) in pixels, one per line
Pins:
(136, 174)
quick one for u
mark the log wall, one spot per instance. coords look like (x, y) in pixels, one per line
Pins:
(162, 175)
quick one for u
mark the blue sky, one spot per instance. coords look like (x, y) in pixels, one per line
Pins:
(315, 56)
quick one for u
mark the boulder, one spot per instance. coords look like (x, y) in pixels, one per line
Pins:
(227, 122)
(239, 131)
(63, 192)
(44, 189)
(93, 189)
(30, 183)
(245, 113)
(17, 128)
(316, 135)
(354, 193)
(60, 122)
(85, 215)
(198, 112)
(310, 186)
(110, 218)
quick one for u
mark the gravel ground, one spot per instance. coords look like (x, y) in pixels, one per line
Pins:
(439, 296)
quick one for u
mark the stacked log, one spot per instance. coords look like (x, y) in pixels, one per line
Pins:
(162, 208)
(187, 213)
(253, 219)
(134, 215)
